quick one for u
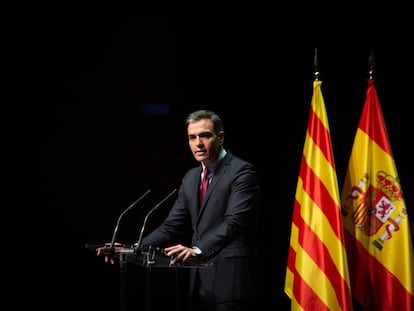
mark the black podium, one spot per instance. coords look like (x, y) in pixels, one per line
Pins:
(154, 257)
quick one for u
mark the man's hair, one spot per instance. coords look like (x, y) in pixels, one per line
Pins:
(206, 114)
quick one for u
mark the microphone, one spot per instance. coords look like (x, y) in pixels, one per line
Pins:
(138, 244)
(111, 247)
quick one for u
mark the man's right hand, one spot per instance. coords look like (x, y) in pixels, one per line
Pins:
(105, 251)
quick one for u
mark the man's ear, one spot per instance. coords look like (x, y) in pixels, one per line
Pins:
(221, 138)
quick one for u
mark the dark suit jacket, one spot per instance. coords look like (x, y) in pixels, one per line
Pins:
(224, 227)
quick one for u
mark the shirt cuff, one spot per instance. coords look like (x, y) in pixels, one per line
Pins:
(196, 250)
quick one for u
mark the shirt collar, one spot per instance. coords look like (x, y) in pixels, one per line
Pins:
(212, 167)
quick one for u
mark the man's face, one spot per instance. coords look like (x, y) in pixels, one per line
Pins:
(203, 141)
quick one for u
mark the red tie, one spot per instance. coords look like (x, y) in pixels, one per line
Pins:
(204, 184)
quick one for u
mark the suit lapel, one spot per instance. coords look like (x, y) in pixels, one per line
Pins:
(220, 170)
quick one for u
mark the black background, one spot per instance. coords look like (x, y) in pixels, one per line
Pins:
(84, 146)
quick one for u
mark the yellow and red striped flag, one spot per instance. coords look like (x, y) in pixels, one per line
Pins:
(317, 270)
(377, 227)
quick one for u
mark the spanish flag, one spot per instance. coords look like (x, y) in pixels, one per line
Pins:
(317, 270)
(377, 227)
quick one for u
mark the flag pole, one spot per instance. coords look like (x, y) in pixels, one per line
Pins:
(316, 64)
(371, 62)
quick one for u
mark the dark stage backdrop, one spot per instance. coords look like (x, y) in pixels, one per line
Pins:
(101, 94)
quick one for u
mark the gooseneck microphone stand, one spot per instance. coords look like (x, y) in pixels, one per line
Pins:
(122, 253)
(139, 247)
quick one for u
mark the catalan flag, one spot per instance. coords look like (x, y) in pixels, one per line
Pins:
(377, 227)
(317, 270)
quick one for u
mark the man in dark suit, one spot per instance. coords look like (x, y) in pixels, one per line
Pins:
(223, 224)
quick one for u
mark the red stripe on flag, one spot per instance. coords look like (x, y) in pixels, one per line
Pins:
(321, 196)
(368, 274)
(372, 119)
(321, 137)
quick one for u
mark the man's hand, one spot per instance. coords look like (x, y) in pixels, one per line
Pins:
(105, 250)
(179, 253)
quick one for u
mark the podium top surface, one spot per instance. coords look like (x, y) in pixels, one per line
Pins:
(155, 257)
